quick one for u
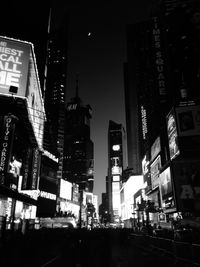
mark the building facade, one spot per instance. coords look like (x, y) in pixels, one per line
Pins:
(115, 169)
(161, 87)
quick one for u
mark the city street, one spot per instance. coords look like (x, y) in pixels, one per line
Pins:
(80, 248)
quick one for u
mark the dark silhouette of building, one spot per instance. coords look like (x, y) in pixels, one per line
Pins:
(78, 150)
(55, 88)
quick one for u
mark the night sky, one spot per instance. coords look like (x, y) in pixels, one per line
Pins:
(98, 59)
(96, 52)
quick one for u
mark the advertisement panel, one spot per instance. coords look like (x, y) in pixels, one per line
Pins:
(167, 191)
(19, 76)
(14, 64)
(187, 184)
(6, 143)
(13, 173)
(75, 192)
(155, 148)
(155, 170)
(146, 172)
(116, 195)
(188, 119)
(65, 189)
(172, 135)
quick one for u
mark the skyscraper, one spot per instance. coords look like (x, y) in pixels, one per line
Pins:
(115, 168)
(161, 84)
(54, 89)
(78, 151)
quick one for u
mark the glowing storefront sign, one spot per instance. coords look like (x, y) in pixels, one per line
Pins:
(47, 195)
(39, 193)
(6, 145)
(26, 169)
(35, 169)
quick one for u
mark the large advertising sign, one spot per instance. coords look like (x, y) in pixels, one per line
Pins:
(65, 189)
(188, 118)
(6, 143)
(155, 148)
(172, 135)
(14, 63)
(18, 71)
(155, 171)
(75, 192)
(187, 183)
(167, 191)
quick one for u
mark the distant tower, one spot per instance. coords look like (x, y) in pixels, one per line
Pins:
(78, 152)
(115, 168)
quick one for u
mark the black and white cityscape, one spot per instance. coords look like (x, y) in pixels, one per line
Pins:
(52, 213)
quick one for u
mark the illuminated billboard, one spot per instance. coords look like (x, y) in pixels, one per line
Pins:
(14, 65)
(167, 191)
(65, 189)
(19, 77)
(187, 184)
(172, 135)
(188, 118)
(155, 171)
(6, 144)
(116, 204)
(155, 148)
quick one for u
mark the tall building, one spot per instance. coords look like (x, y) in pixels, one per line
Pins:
(78, 151)
(54, 89)
(161, 87)
(22, 117)
(115, 168)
